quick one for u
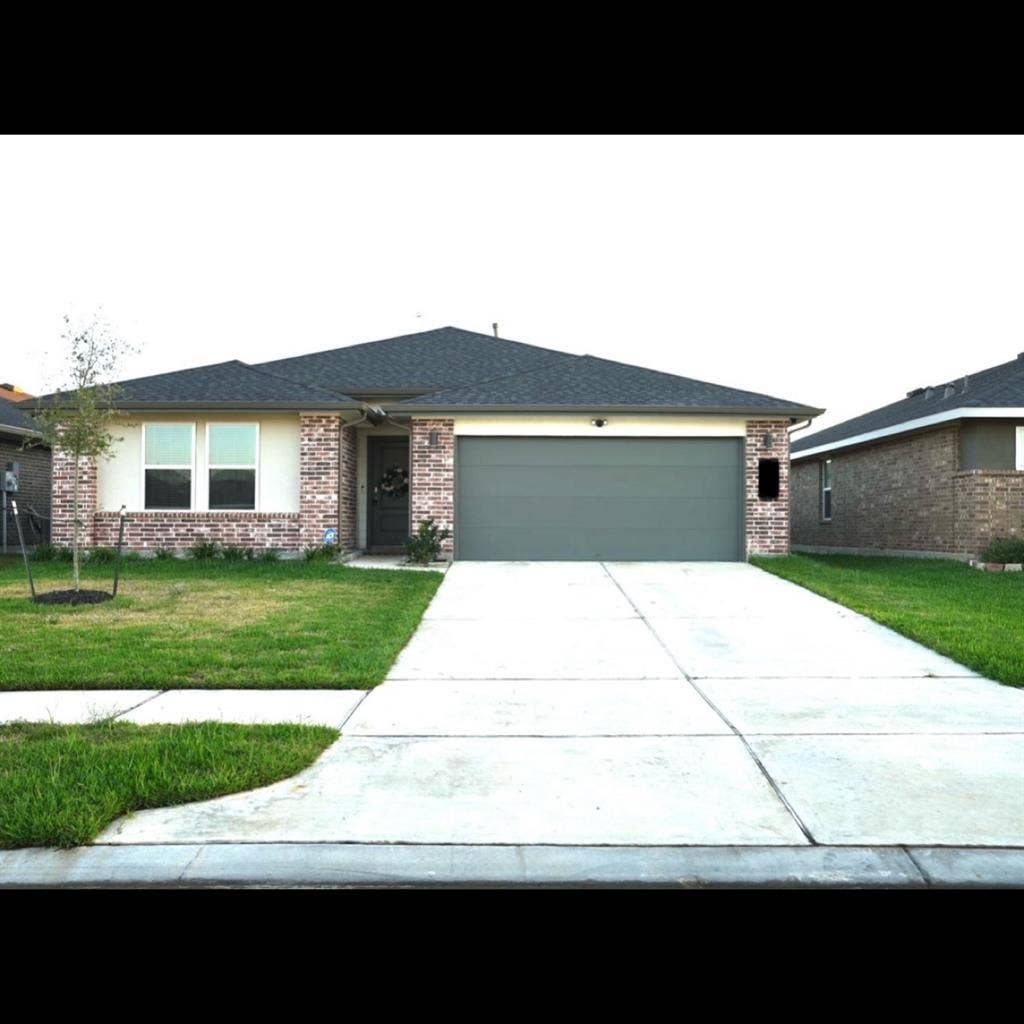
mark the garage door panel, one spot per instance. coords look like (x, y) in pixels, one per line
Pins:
(569, 544)
(659, 513)
(575, 451)
(599, 481)
(603, 498)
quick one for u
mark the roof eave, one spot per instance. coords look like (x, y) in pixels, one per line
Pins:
(761, 412)
(911, 426)
(268, 406)
(18, 431)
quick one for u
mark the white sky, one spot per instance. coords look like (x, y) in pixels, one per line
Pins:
(839, 272)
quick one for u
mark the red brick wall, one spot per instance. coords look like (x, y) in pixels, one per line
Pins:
(895, 495)
(62, 498)
(180, 530)
(432, 476)
(767, 520)
(347, 492)
(319, 476)
(989, 504)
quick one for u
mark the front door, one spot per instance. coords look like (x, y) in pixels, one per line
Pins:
(388, 491)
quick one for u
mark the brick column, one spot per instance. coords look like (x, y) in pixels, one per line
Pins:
(347, 492)
(62, 498)
(319, 476)
(767, 520)
(432, 476)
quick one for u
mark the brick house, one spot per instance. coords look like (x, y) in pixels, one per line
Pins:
(940, 472)
(521, 452)
(33, 494)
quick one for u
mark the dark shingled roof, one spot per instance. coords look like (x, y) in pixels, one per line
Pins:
(997, 387)
(229, 383)
(443, 368)
(587, 381)
(13, 416)
(447, 357)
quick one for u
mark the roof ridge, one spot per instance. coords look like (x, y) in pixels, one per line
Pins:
(414, 334)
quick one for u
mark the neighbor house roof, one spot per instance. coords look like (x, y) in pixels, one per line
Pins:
(444, 369)
(14, 420)
(997, 391)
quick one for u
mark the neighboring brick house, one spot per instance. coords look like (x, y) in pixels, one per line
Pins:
(940, 472)
(33, 494)
(520, 452)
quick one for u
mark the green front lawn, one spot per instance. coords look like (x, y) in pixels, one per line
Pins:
(61, 785)
(185, 624)
(976, 618)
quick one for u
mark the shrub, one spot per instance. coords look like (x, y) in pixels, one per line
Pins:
(267, 555)
(45, 552)
(424, 546)
(320, 553)
(101, 556)
(236, 554)
(204, 550)
(65, 555)
(1004, 549)
(164, 554)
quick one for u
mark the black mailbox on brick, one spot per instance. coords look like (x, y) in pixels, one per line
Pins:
(767, 479)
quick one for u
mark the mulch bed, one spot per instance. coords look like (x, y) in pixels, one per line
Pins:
(73, 597)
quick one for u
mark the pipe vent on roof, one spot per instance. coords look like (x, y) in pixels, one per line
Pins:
(928, 392)
(948, 391)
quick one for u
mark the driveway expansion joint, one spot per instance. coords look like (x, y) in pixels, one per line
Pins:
(776, 789)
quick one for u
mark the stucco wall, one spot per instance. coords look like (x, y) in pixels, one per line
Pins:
(579, 425)
(120, 476)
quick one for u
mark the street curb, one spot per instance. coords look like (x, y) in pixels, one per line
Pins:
(358, 865)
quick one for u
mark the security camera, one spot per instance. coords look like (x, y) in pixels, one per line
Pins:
(599, 423)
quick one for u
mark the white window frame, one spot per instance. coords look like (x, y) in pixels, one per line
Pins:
(255, 466)
(1020, 448)
(191, 466)
(829, 474)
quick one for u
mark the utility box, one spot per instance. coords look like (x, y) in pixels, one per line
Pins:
(9, 482)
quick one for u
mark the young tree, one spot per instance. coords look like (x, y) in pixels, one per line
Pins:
(78, 418)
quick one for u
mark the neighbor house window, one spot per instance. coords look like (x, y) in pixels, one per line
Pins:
(231, 459)
(826, 490)
(167, 465)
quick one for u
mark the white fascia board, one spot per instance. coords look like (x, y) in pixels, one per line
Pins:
(1002, 413)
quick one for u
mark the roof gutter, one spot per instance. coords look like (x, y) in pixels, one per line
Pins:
(18, 431)
(908, 426)
(762, 412)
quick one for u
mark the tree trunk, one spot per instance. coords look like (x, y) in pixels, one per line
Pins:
(74, 529)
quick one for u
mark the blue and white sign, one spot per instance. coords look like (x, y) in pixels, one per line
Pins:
(330, 535)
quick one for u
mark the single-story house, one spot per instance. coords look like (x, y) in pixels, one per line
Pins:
(521, 452)
(32, 477)
(940, 472)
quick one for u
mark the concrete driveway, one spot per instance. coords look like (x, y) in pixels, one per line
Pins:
(646, 704)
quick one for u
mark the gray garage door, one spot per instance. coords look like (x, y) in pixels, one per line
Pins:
(642, 499)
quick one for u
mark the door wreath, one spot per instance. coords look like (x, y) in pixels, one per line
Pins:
(394, 482)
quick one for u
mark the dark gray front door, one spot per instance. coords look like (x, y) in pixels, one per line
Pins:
(628, 499)
(388, 491)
